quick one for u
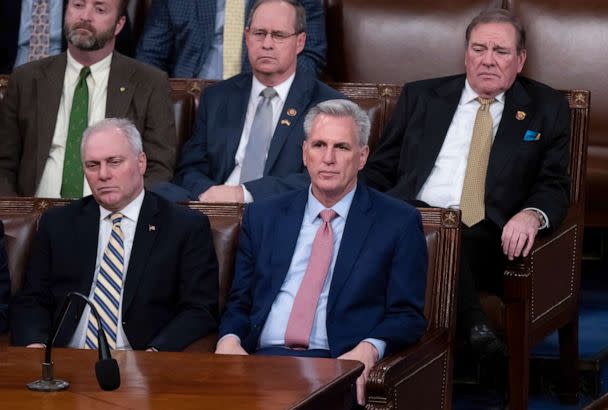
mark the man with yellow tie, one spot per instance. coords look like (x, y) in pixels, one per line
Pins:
(204, 38)
(491, 143)
(148, 265)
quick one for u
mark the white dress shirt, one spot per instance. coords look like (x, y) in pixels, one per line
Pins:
(128, 225)
(97, 82)
(277, 107)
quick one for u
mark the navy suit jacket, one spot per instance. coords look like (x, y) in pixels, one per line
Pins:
(521, 173)
(207, 158)
(179, 33)
(170, 291)
(10, 21)
(5, 282)
(378, 283)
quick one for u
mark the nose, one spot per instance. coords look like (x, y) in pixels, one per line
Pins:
(86, 12)
(104, 172)
(329, 156)
(268, 42)
(488, 58)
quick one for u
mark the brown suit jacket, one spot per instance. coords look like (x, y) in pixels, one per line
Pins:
(29, 112)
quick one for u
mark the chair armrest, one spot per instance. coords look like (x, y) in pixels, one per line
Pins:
(406, 375)
(203, 345)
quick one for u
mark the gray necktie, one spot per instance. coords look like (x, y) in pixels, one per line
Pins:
(259, 138)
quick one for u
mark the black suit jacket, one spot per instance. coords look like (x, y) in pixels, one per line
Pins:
(10, 20)
(171, 287)
(520, 174)
(5, 282)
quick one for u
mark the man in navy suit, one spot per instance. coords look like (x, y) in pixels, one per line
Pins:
(369, 300)
(424, 157)
(163, 292)
(184, 38)
(211, 163)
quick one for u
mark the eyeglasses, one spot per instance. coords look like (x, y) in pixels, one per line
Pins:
(277, 36)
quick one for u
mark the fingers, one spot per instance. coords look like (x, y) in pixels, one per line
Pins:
(361, 389)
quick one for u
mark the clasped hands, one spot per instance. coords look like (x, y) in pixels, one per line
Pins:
(223, 193)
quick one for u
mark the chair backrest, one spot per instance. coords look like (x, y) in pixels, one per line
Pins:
(397, 41)
(442, 231)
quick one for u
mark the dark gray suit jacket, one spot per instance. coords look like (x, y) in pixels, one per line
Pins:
(29, 112)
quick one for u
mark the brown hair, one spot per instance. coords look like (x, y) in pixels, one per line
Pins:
(499, 16)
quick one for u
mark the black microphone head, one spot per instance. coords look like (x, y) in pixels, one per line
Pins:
(108, 374)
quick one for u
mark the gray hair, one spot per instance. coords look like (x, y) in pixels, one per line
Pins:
(499, 16)
(300, 26)
(125, 126)
(340, 108)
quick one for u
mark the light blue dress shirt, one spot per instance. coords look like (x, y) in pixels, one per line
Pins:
(273, 332)
(213, 66)
(55, 29)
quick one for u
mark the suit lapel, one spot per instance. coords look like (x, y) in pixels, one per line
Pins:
(287, 229)
(358, 223)
(49, 86)
(120, 87)
(142, 247)
(511, 130)
(289, 120)
(87, 228)
(439, 114)
(236, 103)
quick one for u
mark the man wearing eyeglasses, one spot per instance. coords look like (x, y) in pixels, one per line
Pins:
(248, 135)
(204, 38)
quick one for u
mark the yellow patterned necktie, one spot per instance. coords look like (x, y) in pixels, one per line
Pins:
(234, 23)
(473, 189)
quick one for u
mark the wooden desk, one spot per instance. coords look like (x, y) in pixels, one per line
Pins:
(179, 381)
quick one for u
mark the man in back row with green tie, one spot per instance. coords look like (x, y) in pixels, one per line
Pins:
(148, 265)
(50, 102)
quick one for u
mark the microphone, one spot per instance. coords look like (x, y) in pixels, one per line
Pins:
(106, 368)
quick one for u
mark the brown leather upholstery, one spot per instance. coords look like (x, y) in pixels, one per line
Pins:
(541, 291)
(567, 48)
(19, 232)
(397, 41)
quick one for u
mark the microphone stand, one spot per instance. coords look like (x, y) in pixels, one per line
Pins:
(48, 383)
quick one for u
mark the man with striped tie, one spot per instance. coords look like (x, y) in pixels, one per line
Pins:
(148, 265)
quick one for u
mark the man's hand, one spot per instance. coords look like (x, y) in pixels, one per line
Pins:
(519, 233)
(223, 193)
(230, 345)
(36, 345)
(367, 354)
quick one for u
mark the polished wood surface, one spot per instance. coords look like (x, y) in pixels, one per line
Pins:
(179, 381)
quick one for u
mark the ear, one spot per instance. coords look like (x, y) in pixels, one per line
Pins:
(305, 153)
(300, 42)
(119, 25)
(521, 59)
(142, 163)
(363, 155)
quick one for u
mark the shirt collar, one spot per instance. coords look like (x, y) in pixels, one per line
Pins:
(314, 207)
(282, 89)
(469, 95)
(131, 211)
(97, 70)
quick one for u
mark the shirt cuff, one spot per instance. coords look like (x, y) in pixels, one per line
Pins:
(546, 218)
(380, 345)
(247, 198)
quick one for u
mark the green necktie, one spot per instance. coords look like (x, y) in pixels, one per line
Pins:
(72, 181)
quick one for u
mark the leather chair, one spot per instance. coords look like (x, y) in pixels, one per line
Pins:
(541, 291)
(396, 41)
(566, 47)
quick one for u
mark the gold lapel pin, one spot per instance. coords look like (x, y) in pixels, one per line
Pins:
(151, 228)
(520, 115)
(285, 122)
(292, 112)
(122, 89)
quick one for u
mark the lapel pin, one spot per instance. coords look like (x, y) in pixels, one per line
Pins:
(285, 122)
(122, 89)
(520, 115)
(151, 228)
(292, 112)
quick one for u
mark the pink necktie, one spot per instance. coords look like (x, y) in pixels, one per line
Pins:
(305, 304)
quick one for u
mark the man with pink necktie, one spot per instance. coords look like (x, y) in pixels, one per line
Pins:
(336, 270)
